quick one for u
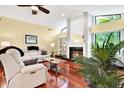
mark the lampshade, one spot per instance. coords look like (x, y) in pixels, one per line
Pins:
(5, 43)
(109, 26)
(52, 44)
(35, 8)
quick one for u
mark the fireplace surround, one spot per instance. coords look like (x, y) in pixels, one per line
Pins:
(75, 51)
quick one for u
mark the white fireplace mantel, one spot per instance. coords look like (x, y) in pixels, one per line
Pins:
(75, 45)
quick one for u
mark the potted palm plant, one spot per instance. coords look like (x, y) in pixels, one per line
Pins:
(99, 69)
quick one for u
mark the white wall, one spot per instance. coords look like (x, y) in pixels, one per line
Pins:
(77, 25)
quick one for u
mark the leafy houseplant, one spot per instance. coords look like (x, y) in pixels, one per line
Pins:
(99, 69)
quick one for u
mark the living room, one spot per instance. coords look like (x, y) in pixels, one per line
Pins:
(71, 35)
(15, 32)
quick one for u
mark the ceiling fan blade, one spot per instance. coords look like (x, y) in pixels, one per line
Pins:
(43, 9)
(24, 5)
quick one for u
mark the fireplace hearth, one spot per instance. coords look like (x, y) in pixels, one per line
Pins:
(75, 51)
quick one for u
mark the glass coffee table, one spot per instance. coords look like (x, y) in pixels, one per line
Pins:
(54, 64)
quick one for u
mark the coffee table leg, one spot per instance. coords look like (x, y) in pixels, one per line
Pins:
(56, 68)
(64, 69)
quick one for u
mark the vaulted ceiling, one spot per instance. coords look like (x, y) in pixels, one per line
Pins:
(58, 13)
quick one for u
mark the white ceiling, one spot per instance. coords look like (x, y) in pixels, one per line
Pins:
(55, 18)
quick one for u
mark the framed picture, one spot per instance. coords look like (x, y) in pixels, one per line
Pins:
(30, 39)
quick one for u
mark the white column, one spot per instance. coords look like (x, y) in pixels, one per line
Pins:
(93, 34)
(87, 22)
(122, 34)
(122, 31)
(68, 35)
(68, 30)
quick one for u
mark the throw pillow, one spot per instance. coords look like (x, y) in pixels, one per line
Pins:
(33, 48)
(43, 52)
(31, 62)
(33, 52)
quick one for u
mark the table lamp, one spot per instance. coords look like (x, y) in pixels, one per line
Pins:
(52, 46)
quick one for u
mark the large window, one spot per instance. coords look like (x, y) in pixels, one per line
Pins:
(100, 37)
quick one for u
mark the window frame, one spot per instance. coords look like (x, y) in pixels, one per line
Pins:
(108, 15)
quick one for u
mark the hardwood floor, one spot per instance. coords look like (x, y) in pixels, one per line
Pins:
(2, 79)
(69, 78)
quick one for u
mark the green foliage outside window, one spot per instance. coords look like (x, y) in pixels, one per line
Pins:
(100, 37)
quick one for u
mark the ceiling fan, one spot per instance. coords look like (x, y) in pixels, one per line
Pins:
(35, 8)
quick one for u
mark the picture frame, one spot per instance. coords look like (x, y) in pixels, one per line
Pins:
(30, 39)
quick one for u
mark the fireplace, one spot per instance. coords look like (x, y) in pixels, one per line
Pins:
(75, 51)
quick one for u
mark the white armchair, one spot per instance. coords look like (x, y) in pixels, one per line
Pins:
(20, 76)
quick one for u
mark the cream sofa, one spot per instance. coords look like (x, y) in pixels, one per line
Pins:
(34, 54)
(20, 76)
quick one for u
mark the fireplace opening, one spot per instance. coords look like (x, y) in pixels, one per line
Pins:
(75, 51)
